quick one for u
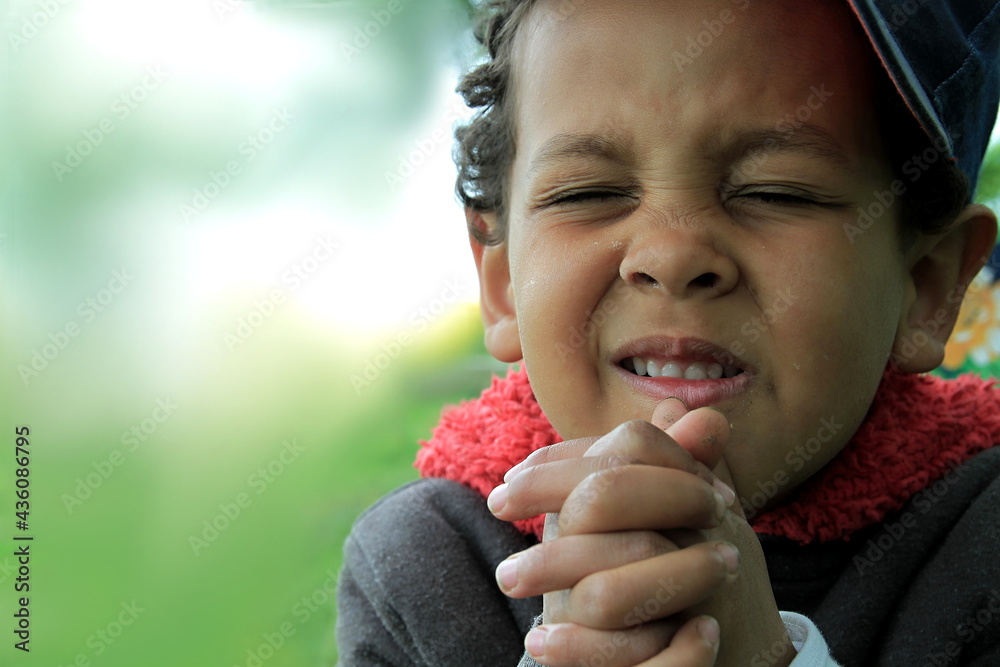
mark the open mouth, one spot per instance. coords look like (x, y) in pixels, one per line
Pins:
(673, 368)
(697, 371)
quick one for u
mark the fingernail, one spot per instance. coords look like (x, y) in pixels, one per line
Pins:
(507, 574)
(497, 498)
(534, 643)
(721, 506)
(730, 555)
(683, 402)
(708, 628)
(727, 492)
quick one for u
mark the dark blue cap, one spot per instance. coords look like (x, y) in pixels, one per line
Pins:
(944, 58)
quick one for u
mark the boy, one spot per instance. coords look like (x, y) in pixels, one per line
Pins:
(721, 248)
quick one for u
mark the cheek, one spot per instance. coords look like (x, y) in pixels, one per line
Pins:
(557, 284)
(839, 343)
(842, 304)
(555, 295)
(828, 352)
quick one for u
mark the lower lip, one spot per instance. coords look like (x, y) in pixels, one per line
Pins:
(694, 393)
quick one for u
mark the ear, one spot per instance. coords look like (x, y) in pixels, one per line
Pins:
(941, 268)
(496, 294)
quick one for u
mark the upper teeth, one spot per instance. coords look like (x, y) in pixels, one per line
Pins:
(689, 370)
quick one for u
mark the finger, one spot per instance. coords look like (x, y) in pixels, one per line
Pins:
(668, 411)
(544, 487)
(570, 645)
(557, 452)
(562, 563)
(654, 588)
(550, 530)
(644, 442)
(638, 497)
(703, 433)
(695, 644)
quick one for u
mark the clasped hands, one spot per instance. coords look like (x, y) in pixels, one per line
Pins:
(646, 557)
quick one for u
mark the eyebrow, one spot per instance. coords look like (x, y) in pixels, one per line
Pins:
(806, 138)
(579, 145)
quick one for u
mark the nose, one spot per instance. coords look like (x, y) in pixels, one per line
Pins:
(682, 261)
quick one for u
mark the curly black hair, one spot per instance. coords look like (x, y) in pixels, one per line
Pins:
(485, 146)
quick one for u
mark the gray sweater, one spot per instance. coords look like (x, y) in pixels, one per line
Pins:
(920, 589)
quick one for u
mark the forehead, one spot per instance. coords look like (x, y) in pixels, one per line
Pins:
(697, 70)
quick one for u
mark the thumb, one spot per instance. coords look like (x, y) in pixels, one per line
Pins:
(703, 432)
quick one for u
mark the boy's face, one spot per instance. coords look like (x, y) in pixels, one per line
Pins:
(684, 173)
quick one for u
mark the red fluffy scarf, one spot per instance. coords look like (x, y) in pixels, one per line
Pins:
(917, 428)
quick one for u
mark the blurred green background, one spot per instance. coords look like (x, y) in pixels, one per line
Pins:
(237, 293)
(215, 214)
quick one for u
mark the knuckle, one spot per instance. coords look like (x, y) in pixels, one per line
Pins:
(551, 530)
(591, 501)
(606, 479)
(638, 433)
(593, 599)
(618, 460)
(642, 546)
(629, 436)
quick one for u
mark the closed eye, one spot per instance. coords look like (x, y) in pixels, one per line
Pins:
(580, 196)
(779, 198)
